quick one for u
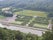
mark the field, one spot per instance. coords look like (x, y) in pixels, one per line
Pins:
(32, 13)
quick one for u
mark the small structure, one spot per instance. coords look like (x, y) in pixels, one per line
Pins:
(50, 25)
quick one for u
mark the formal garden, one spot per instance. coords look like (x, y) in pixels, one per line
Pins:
(32, 21)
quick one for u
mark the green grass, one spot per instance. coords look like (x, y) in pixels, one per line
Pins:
(1, 17)
(17, 22)
(32, 13)
(41, 25)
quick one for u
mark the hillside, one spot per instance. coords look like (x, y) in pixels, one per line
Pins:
(43, 5)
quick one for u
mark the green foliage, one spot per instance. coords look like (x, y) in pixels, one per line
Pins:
(47, 35)
(6, 14)
(16, 35)
(31, 37)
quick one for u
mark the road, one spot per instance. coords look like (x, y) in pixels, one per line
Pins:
(24, 29)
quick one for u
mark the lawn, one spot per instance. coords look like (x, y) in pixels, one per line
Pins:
(32, 13)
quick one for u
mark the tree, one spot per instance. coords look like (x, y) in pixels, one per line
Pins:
(31, 37)
(47, 35)
(18, 36)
